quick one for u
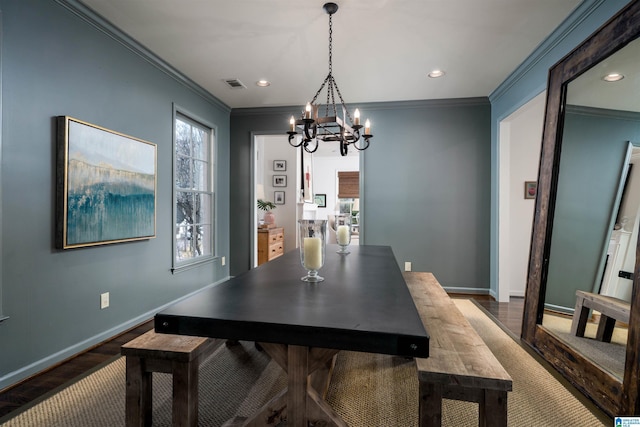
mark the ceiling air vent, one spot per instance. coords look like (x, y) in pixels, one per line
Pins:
(235, 84)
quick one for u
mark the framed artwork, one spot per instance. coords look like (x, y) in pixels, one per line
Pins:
(279, 165)
(530, 189)
(320, 200)
(278, 197)
(279, 180)
(105, 185)
(306, 176)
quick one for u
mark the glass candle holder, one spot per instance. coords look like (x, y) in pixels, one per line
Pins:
(312, 242)
(343, 232)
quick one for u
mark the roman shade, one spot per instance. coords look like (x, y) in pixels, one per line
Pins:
(348, 185)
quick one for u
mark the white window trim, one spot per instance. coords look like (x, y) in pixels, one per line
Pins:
(213, 152)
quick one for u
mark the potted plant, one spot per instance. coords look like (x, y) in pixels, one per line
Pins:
(266, 206)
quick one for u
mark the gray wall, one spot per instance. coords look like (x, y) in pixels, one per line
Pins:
(55, 63)
(425, 190)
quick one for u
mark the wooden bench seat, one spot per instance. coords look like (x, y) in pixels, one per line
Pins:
(460, 366)
(610, 308)
(179, 355)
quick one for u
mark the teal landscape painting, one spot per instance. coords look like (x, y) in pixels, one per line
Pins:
(110, 186)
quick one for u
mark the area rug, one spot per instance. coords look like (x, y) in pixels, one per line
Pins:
(367, 390)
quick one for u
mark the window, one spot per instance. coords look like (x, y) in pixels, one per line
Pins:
(193, 192)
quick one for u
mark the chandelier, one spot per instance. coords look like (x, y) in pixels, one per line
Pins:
(332, 125)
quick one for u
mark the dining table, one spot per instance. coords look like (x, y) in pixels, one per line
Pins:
(362, 305)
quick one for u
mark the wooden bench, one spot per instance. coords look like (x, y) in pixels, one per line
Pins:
(460, 366)
(178, 355)
(610, 308)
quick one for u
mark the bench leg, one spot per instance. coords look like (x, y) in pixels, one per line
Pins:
(139, 391)
(493, 411)
(430, 405)
(185, 394)
(580, 317)
(605, 328)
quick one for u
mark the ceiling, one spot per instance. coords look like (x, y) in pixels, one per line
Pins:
(382, 49)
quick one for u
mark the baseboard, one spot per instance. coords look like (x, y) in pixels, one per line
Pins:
(462, 290)
(38, 366)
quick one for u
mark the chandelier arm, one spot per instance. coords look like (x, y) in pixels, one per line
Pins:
(292, 135)
(308, 137)
(307, 149)
(366, 140)
(344, 148)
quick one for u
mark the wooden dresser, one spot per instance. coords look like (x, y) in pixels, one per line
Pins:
(270, 244)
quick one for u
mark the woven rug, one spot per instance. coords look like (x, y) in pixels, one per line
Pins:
(367, 390)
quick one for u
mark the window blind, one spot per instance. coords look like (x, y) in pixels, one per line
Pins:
(348, 185)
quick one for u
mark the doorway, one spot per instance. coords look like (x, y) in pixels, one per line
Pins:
(275, 179)
(326, 163)
(520, 138)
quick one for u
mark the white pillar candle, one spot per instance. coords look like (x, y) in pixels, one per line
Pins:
(342, 234)
(312, 253)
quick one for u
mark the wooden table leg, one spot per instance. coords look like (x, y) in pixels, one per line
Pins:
(138, 394)
(299, 403)
(298, 362)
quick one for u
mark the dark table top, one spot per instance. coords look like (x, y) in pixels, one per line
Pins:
(362, 305)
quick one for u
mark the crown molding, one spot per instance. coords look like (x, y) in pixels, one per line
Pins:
(579, 14)
(371, 106)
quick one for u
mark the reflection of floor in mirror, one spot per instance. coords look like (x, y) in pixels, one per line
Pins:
(608, 355)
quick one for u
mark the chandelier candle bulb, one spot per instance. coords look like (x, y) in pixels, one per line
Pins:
(312, 253)
(367, 127)
(307, 111)
(292, 124)
(356, 117)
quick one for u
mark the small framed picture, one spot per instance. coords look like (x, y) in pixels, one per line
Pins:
(320, 200)
(530, 189)
(279, 165)
(278, 197)
(279, 180)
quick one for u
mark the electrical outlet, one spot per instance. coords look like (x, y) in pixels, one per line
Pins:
(407, 266)
(224, 260)
(104, 300)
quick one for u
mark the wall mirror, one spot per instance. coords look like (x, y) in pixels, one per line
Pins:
(587, 213)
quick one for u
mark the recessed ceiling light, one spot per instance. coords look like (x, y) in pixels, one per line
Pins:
(613, 77)
(263, 83)
(436, 73)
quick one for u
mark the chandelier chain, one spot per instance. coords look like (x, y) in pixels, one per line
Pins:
(330, 43)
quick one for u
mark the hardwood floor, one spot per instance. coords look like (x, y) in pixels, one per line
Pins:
(27, 391)
(508, 313)
(24, 393)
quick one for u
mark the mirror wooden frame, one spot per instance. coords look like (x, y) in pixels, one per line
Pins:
(612, 395)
